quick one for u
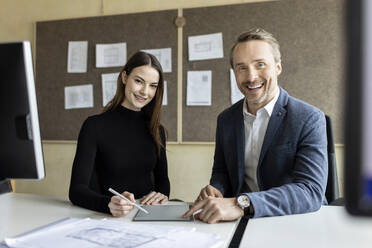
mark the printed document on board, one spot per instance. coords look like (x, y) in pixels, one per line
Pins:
(164, 55)
(111, 55)
(79, 96)
(165, 94)
(77, 56)
(203, 47)
(199, 88)
(236, 94)
(109, 85)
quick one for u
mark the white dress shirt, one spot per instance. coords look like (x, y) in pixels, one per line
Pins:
(255, 129)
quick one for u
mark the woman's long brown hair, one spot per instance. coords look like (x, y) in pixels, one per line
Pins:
(153, 108)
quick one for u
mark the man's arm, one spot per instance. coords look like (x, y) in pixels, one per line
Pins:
(306, 192)
(220, 179)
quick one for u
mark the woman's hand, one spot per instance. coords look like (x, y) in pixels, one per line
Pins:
(208, 191)
(120, 207)
(154, 198)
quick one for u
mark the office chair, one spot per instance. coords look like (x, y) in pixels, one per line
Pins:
(332, 190)
(5, 186)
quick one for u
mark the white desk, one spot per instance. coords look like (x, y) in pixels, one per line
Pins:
(331, 226)
(20, 213)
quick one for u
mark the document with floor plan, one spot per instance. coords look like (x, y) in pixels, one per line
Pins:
(84, 233)
(209, 46)
(111, 55)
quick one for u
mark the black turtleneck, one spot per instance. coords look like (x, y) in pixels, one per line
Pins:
(115, 149)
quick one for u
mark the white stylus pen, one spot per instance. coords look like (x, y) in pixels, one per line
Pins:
(123, 197)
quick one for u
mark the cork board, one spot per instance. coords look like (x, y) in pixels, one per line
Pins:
(311, 35)
(150, 30)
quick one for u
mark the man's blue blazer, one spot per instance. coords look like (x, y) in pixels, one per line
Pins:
(293, 167)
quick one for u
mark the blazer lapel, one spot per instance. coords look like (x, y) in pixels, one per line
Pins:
(276, 119)
(240, 139)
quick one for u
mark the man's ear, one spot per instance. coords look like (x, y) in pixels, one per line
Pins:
(124, 77)
(278, 68)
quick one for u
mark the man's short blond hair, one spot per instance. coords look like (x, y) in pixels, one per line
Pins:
(257, 34)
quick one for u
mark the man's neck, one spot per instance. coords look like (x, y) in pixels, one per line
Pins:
(252, 109)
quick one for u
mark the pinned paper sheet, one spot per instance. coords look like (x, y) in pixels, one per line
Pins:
(80, 96)
(164, 56)
(199, 88)
(77, 56)
(165, 97)
(111, 55)
(236, 94)
(203, 47)
(109, 85)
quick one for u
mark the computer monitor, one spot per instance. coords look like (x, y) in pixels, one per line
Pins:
(21, 155)
(358, 128)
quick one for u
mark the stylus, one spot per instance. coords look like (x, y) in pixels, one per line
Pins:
(123, 197)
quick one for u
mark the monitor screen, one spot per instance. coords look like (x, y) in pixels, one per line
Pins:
(21, 155)
(358, 134)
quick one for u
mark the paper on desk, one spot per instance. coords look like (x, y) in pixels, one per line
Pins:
(111, 55)
(3, 245)
(199, 88)
(80, 96)
(77, 56)
(165, 94)
(236, 94)
(84, 233)
(208, 46)
(109, 85)
(186, 239)
(164, 55)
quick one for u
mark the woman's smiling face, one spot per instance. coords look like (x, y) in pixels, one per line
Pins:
(140, 87)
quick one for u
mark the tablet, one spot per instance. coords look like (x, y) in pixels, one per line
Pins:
(163, 213)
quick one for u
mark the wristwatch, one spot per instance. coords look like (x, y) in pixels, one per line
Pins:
(244, 203)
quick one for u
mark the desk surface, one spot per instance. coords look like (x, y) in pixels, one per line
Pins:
(331, 226)
(20, 213)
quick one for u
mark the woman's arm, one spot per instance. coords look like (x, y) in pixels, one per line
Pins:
(162, 184)
(84, 188)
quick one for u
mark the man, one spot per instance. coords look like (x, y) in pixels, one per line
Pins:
(271, 149)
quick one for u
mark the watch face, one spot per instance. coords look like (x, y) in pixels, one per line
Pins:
(243, 201)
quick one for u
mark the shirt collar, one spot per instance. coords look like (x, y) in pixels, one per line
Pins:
(268, 107)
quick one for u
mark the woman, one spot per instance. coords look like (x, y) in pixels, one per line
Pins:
(124, 147)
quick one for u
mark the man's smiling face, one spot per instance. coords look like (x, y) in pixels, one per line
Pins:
(256, 72)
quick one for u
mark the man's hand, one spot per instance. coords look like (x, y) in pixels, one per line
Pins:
(215, 209)
(208, 190)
